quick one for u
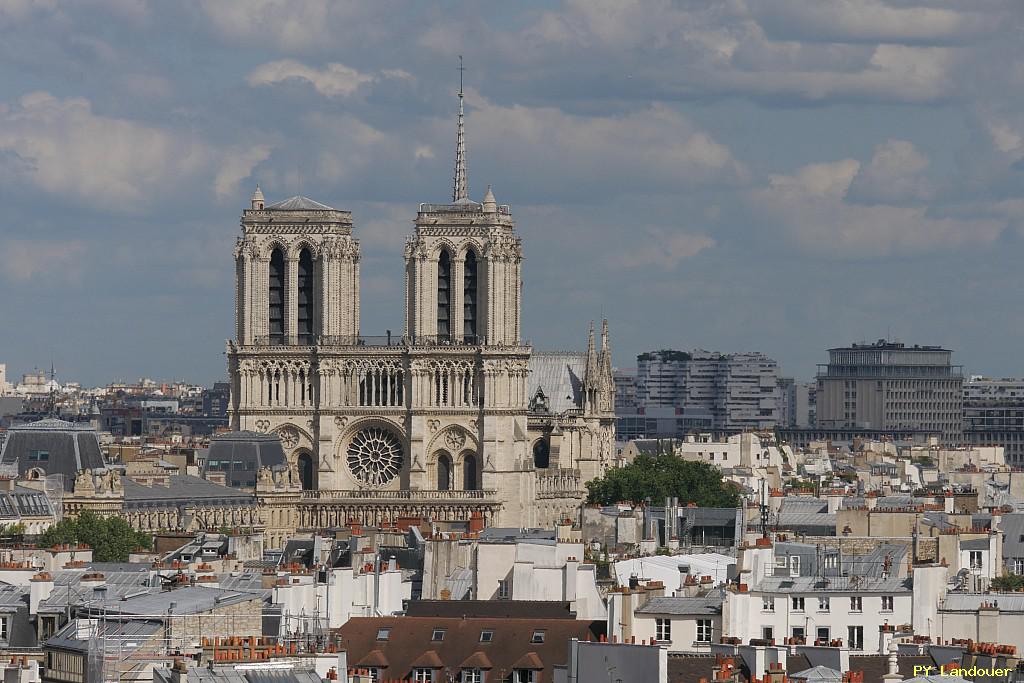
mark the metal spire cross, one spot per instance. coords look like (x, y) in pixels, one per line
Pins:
(460, 191)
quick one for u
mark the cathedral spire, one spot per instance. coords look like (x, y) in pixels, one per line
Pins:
(606, 354)
(461, 191)
(592, 361)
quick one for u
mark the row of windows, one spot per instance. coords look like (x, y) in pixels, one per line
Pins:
(799, 603)
(663, 630)
(823, 634)
(486, 635)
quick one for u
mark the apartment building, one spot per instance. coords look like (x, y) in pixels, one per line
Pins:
(738, 391)
(890, 386)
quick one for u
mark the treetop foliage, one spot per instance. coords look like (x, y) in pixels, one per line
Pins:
(657, 477)
(111, 538)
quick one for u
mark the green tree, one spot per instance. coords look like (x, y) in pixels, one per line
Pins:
(1008, 582)
(661, 476)
(111, 538)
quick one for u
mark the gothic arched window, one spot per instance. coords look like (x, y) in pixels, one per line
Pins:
(444, 472)
(306, 470)
(542, 454)
(469, 298)
(469, 472)
(307, 296)
(444, 286)
(277, 284)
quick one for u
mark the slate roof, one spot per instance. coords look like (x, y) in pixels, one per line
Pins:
(711, 604)
(228, 674)
(70, 448)
(410, 637)
(560, 375)
(188, 600)
(817, 674)
(181, 488)
(512, 534)
(68, 637)
(240, 455)
(690, 668)
(970, 602)
(876, 666)
(835, 584)
(298, 203)
(490, 609)
(1013, 535)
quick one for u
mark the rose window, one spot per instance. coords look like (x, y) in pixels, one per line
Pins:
(375, 456)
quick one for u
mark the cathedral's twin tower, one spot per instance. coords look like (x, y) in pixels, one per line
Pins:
(440, 413)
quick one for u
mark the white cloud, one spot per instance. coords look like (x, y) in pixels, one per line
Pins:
(296, 26)
(645, 149)
(812, 210)
(333, 80)
(894, 175)
(238, 165)
(862, 20)
(64, 148)
(662, 248)
(24, 260)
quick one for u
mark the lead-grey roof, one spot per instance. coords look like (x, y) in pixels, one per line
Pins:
(970, 602)
(125, 631)
(709, 604)
(181, 489)
(817, 674)
(974, 544)
(299, 203)
(225, 674)
(188, 600)
(240, 455)
(511, 535)
(1013, 535)
(833, 584)
(560, 375)
(71, 448)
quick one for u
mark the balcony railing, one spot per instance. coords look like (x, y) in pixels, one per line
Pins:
(372, 341)
(419, 496)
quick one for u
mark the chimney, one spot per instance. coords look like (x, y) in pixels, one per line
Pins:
(948, 503)
(476, 522)
(40, 588)
(179, 671)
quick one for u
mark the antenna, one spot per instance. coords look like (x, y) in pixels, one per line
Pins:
(460, 190)
(462, 70)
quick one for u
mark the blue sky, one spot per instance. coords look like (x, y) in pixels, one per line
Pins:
(773, 175)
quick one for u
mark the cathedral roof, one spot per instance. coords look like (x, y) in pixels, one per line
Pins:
(299, 203)
(560, 375)
(54, 446)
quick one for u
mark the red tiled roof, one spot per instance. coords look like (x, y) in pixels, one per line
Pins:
(427, 660)
(510, 646)
(375, 658)
(529, 661)
(477, 660)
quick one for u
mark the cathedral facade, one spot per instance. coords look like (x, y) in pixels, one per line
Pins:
(456, 416)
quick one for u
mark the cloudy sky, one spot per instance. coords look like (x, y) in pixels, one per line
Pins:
(773, 175)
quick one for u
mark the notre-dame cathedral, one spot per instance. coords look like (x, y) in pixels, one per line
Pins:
(456, 416)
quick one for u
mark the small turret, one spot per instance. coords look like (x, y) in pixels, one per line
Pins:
(490, 205)
(257, 199)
